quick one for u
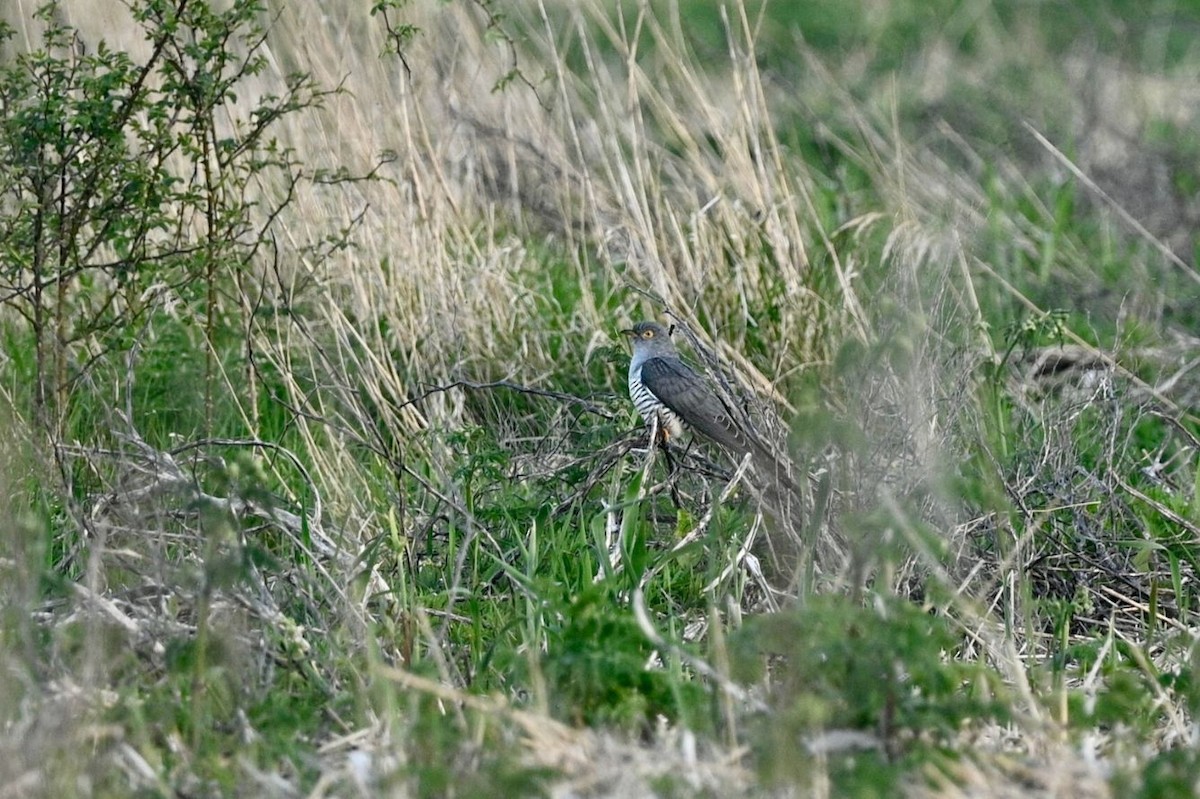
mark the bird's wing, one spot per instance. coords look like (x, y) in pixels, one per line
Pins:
(694, 401)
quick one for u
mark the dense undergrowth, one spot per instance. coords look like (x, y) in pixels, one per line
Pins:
(319, 473)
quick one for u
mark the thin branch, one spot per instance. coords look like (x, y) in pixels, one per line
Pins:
(536, 392)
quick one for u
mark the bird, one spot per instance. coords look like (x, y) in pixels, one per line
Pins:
(665, 388)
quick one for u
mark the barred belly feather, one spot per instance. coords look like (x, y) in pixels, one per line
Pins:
(649, 405)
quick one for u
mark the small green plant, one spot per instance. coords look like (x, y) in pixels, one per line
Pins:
(886, 673)
(125, 189)
(603, 670)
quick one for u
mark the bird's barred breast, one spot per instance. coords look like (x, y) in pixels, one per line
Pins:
(648, 405)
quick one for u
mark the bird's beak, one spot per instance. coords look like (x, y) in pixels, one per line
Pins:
(628, 332)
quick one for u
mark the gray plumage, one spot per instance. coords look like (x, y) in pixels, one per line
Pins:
(661, 383)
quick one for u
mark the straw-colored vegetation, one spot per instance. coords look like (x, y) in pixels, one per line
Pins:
(318, 474)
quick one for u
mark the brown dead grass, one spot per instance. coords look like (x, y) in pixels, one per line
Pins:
(658, 179)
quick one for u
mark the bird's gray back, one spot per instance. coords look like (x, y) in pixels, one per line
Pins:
(689, 396)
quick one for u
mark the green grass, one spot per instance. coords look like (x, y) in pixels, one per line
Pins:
(413, 544)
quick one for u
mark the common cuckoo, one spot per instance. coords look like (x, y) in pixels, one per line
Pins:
(662, 385)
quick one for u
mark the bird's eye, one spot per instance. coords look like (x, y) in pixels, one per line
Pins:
(648, 334)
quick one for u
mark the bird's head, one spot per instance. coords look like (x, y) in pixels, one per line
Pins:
(650, 336)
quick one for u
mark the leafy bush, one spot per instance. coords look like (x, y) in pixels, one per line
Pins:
(887, 673)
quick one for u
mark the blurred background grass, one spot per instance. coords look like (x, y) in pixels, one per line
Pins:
(365, 520)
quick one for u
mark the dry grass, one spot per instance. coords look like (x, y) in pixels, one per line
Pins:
(506, 235)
